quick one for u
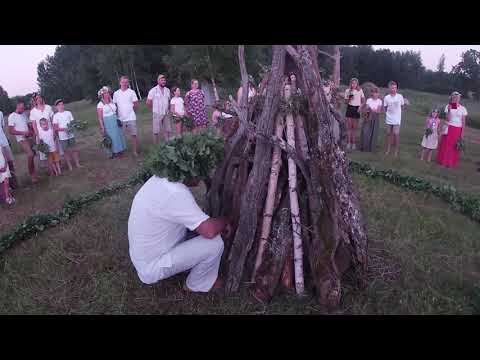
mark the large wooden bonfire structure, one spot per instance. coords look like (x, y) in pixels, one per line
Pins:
(284, 182)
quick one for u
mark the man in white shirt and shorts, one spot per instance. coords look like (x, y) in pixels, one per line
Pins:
(161, 213)
(127, 101)
(158, 100)
(393, 104)
(21, 127)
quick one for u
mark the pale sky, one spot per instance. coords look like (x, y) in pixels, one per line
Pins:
(18, 63)
(431, 53)
(18, 67)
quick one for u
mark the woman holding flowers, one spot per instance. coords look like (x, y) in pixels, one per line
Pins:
(109, 124)
(452, 142)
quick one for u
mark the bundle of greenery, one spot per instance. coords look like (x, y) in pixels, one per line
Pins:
(428, 132)
(106, 142)
(460, 145)
(42, 147)
(187, 122)
(76, 125)
(186, 157)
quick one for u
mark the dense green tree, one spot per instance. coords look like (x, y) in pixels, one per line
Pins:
(6, 105)
(467, 72)
(76, 72)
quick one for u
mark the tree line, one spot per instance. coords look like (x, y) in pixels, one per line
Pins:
(382, 65)
(76, 72)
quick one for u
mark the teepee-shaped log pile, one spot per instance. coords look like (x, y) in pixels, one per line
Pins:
(284, 182)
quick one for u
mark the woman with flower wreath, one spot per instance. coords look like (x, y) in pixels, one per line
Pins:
(449, 151)
(109, 122)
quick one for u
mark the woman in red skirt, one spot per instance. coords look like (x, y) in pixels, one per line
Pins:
(448, 154)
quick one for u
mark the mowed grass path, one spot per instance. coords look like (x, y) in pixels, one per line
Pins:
(424, 258)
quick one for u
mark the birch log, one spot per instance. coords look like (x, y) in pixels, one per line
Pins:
(294, 208)
(270, 201)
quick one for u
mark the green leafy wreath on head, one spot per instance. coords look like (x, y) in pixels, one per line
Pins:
(186, 157)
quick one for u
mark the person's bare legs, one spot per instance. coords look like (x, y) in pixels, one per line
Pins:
(388, 140)
(349, 132)
(6, 190)
(51, 170)
(30, 160)
(68, 159)
(178, 127)
(13, 182)
(396, 138)
(135, 145)
(429, 156)
(354, 133)
(58, 169)
(76, 157)
(422, 156)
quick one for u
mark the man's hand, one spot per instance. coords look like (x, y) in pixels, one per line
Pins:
(227, 231)
(212, 227)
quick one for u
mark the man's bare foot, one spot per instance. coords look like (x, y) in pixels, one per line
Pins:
(80, 166)
(35, 180)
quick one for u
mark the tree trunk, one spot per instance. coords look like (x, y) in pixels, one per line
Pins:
(254, 195)
(271, 192)
(136, 83)
(336, 65)
(335, 216)
(212, 75)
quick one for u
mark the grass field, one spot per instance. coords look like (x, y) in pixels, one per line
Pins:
(424, 257)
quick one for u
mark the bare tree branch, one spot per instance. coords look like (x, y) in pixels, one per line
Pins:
(328, 54)
(293, 53)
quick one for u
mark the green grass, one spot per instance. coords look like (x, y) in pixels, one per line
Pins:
(464, 178)
(424, 257)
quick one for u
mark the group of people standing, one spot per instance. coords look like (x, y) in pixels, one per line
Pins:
(116, 113)
(371, 108)
(41, 126)
(444, 136)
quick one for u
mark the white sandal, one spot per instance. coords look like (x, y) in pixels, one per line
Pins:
(10, 200)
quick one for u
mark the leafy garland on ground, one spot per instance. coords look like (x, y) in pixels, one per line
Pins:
(459, 201)
(35, 224)
(192, 155)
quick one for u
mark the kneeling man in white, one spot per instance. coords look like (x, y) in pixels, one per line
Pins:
(161, 213)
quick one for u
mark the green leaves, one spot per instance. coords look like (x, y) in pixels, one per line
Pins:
(460, 145)
(41, 147)
(186, 157)
(460, 202)
(106, 142)
(77, 125)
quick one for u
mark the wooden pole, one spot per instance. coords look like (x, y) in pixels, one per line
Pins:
(271, 192)
(294, 208)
